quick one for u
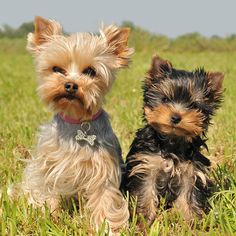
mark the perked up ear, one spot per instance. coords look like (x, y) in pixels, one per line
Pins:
(215, 80)
(159, 67)
(43, 31)
(117, 40)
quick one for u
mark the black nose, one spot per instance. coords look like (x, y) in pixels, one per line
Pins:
(71, 87)
(175, 119)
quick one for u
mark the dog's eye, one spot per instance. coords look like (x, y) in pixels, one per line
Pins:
(89, 71)
(57, 69)
(165, 100)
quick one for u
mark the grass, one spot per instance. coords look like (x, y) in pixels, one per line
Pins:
(21, 112)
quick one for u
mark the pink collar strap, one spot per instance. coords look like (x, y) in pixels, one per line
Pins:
(70, 120)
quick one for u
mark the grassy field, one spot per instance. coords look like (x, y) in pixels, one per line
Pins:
(21, 112)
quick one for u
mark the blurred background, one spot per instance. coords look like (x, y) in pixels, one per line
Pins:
(207, 23)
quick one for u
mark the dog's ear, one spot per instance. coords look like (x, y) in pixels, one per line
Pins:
(215, 81)
(159, 67)
(117, 40)
(43, 32)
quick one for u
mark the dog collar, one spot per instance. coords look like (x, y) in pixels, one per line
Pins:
(70, 120)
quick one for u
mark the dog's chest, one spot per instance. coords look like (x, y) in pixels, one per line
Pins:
(75, 137)
(72, 155)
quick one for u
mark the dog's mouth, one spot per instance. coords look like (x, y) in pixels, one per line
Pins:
(68, 97)
(180, 131)
(174, 130)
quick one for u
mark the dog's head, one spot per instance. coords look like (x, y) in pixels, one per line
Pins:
(76, 71)
(178, 102)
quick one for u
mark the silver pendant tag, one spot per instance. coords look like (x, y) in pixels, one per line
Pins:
(82, 134)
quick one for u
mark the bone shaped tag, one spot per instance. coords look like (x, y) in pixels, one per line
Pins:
(88, 138)
(82, 134)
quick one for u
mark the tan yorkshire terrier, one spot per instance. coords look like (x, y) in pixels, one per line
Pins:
(77, 152)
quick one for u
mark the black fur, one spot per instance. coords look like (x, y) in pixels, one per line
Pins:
(173, 85)
(149, 141)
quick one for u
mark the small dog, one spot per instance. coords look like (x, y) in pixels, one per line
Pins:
(77, 152)
(164, 159)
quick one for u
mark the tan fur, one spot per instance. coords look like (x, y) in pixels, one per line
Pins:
(94, 174)
(74, 53)
(160, 117)
(188, 176)
(147, 198)
(152, 166)
(117, 40)
(216, 83)
(44, 29)
(156, 70)
(60, 169)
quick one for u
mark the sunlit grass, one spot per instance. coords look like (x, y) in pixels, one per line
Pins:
(21, 113)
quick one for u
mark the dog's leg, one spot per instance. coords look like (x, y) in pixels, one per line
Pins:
(39, 195)
(37, 189)
(149, 174)
(182, 203)
(107, 203)
(194, 191)
(147, 199)
(104, 199)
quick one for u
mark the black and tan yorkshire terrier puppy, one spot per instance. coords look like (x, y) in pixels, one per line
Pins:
(164, 160)
(77, 152)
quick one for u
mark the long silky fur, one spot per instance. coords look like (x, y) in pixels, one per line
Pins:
(165, 159)
(64, 168)
(61, 167)
(153, 172)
